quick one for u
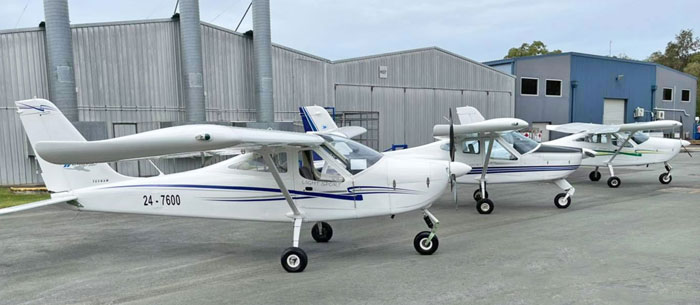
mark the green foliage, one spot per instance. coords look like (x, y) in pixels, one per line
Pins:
(535, 48)
(682, 54)
(8, 199)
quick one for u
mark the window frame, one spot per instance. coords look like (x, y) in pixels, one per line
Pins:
(690, 95)
(663, 97)
(561, 87)
(537, 91)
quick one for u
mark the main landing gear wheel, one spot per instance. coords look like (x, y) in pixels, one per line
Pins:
(561, 201)
(614, 182)
(665, 178)
(325, 233)
(477, 195)
(423, 246)
(484, 206)
(294, 259)
(594, 176)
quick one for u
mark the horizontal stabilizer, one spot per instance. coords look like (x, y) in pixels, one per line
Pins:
(167, 141)
(483, 127)
(57, 198)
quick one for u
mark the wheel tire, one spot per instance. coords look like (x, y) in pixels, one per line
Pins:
(665, 178)
(560, 202)
(594, 176)
(484, 206)
(294, 259)
(325, 235)
(614, 182)
(477, 195)
(421, 247)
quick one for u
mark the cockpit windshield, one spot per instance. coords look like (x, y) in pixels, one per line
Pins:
(639, 137)
(355, 156)
(520, 142)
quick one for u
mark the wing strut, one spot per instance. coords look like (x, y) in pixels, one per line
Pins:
(275, 174)
(617, 151)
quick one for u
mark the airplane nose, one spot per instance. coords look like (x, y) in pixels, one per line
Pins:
(459, 169)
(685, 143)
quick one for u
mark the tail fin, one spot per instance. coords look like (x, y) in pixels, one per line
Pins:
(469, 115)
(316, 119)
(43, 121)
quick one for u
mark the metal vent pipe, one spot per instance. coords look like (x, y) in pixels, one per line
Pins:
(59, 54)
(262, 46)
(191, 46)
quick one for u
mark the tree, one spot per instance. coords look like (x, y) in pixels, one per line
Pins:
(678, 53)
(536, 48)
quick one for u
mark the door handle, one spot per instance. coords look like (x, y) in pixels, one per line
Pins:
(308, 188)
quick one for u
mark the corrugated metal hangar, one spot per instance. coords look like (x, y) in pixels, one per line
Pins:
(129, 77)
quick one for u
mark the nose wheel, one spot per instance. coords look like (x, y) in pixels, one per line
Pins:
(666, 178)
(426, 242)
(594, 175)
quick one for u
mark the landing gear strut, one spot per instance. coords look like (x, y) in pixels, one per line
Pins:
(294, 259)
(426, 242)
(484, 205)
(666, 178)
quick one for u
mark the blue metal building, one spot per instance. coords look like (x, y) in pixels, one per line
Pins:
(576, 87)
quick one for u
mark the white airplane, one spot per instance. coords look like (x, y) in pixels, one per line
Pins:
(274, 180)
(622, 145)
(494, 150)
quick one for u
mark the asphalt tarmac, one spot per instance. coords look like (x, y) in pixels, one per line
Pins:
(639, 244)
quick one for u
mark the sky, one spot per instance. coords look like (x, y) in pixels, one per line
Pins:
(478, 29)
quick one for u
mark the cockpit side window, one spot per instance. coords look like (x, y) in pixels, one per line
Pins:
(520, 142)
(471, 147)
(255, 162)
(616, 141)
(357, 157)
(498, 152)
(308, 169)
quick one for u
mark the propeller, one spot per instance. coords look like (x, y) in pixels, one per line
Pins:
(453, 178)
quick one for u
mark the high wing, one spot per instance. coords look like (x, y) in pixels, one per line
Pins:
(317, 120)
(592, 128)
(483, 129)
(167, 141)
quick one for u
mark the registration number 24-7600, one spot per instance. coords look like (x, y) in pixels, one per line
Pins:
(163, 200)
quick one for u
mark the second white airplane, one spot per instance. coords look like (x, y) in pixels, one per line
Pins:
(493, 148)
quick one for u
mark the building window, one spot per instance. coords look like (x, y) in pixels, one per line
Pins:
(529, 86)
(553, 88)
(685, 95)
(667, 94)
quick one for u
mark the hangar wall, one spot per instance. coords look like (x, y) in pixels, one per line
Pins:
(128, 80)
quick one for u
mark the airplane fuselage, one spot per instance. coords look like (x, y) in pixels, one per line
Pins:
(651, 151)
(538, 165)
(220, 191)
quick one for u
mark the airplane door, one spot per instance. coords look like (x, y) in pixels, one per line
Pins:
(322, 185)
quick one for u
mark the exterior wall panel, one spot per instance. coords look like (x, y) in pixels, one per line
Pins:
(667, 78)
